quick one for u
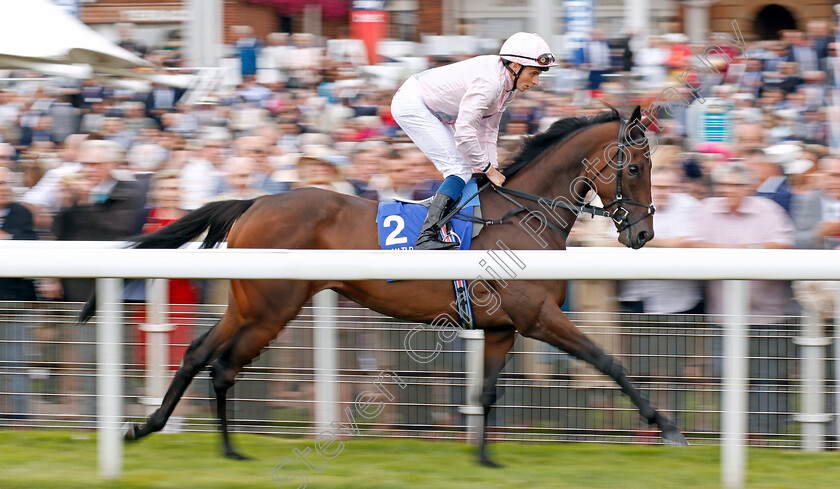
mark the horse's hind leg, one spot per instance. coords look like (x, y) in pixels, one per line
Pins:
(556, 329)
(198, 355)
(497, 344)
(242, 350)
(223, 378)
(249, 342)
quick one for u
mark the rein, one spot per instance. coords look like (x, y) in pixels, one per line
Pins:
(619, 215)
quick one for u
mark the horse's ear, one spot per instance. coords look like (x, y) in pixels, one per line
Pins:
(647, 120)
(636, 115)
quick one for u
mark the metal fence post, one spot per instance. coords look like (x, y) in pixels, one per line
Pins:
(157, 328)
(474, 346)
(109, 402)
(325, 342)
(812, 416)
(733, 451)
(836, 335)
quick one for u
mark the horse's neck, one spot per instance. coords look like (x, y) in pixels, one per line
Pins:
(553, 174)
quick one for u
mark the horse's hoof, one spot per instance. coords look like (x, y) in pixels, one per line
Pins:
(131, 432)
(489, 463)
(674, 438)
(234, 455)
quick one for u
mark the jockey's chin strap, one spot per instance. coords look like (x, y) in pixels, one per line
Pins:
(516, 75)
(619, 216)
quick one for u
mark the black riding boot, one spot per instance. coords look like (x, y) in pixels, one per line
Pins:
(429, 238)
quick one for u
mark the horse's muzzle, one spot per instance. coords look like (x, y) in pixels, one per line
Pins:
(641, 238)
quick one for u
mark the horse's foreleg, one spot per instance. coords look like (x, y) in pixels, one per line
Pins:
(497, 344)
(196, 358)
(556, 329)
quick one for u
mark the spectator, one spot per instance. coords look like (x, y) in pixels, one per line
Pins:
(44, 199)
(304, 59)
(16, 295)
(200, 176)
(596, 59)
(7, 156)
(274, 58)
(239, 180)
(364, 166)
(816, 214)
(735, 219)
(803, 53)
(135, 120)
(421, 171)
(597, 302)
(98, 204)
(93, 120)
(401, 179)
(651, 62)
(10, 109)
(181, 293)
(129, 42)
(662, 352)
(161, 99)
(315, 169)
(256, 148)
(247, 49)
(65, 119)
(144, 160)
(767, 166)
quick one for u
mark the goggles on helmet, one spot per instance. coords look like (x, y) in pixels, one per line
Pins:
(543, 59)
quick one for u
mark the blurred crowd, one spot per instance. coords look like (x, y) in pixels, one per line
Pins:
(750, 163)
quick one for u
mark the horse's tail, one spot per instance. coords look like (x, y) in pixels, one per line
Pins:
(217, 216)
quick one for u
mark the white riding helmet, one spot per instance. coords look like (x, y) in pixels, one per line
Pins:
(528, 49)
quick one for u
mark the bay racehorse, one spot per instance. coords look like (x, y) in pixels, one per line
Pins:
(546, 184)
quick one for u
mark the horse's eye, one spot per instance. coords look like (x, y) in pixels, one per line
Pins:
(634, 170)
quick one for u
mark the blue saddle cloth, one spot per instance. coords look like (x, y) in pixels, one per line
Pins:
(399, 222)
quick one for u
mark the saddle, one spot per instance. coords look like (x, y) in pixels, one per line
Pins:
(398, 223)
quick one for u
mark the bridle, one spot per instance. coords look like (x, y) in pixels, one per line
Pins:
(619, 215)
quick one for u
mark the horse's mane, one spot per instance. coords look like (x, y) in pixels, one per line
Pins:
(533, 146)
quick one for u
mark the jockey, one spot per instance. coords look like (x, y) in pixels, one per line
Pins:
(452, 114)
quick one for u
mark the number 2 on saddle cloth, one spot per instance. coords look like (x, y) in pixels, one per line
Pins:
(398, 224)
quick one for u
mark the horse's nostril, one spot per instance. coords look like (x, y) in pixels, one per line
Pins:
(643, 236)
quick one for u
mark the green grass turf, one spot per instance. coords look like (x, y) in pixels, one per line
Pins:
(57, 460)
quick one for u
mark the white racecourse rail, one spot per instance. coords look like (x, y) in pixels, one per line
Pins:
(89, 259)
(55, 259)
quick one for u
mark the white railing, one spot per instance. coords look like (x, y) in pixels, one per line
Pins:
(52, 260)
(82, 260)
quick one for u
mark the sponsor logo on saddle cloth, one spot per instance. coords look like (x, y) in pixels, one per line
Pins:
(399, 222)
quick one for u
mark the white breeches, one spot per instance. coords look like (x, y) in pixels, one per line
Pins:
(434, 138)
